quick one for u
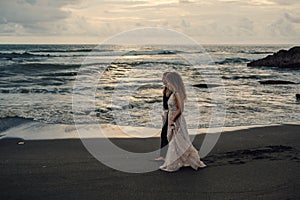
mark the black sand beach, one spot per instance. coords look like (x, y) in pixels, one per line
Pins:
(257, 163)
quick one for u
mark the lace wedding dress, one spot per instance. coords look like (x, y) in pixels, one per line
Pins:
(181, 152)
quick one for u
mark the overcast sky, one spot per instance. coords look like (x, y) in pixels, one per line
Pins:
(206, 21)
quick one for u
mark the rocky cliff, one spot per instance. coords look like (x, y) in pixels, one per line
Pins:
(282, 59)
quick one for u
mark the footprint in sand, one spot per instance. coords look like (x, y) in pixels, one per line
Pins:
(271, 152)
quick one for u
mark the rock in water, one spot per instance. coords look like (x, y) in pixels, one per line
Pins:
(298, 97)
(204, 85)
(274, 82)
(282, 59)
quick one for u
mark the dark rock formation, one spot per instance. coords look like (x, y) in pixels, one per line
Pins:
(203, 85)
(282, 59)
(298, 97)
(273, 82)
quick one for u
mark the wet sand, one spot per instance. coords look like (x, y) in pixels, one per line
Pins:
(257, 163)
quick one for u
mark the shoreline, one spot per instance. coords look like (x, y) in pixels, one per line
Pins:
(27, 129)
(257, 163)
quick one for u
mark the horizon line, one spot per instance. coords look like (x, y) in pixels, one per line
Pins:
(249, 44)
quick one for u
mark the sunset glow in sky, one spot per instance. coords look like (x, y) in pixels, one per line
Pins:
(206, 21)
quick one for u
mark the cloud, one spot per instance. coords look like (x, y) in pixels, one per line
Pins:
(263, 2)
(286, 2)
(28, 11)
(32, 2)
(245, 26)
(214, 20)
(281, 28)
(185, 1)
(31, 16)
(185, 24)
(291, 18)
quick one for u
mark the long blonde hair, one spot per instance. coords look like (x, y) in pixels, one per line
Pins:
(175, 84)
(165, 90)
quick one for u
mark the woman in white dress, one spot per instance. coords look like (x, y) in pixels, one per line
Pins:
(181, 152)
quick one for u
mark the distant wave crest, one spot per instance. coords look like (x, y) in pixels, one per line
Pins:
(232, 60)
(256, 52)
(20, 55)
(253, 76)
(26, 67)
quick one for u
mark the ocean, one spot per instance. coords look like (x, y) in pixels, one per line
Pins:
(37, 84)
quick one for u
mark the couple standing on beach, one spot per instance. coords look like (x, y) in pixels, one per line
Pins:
(176, 148)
